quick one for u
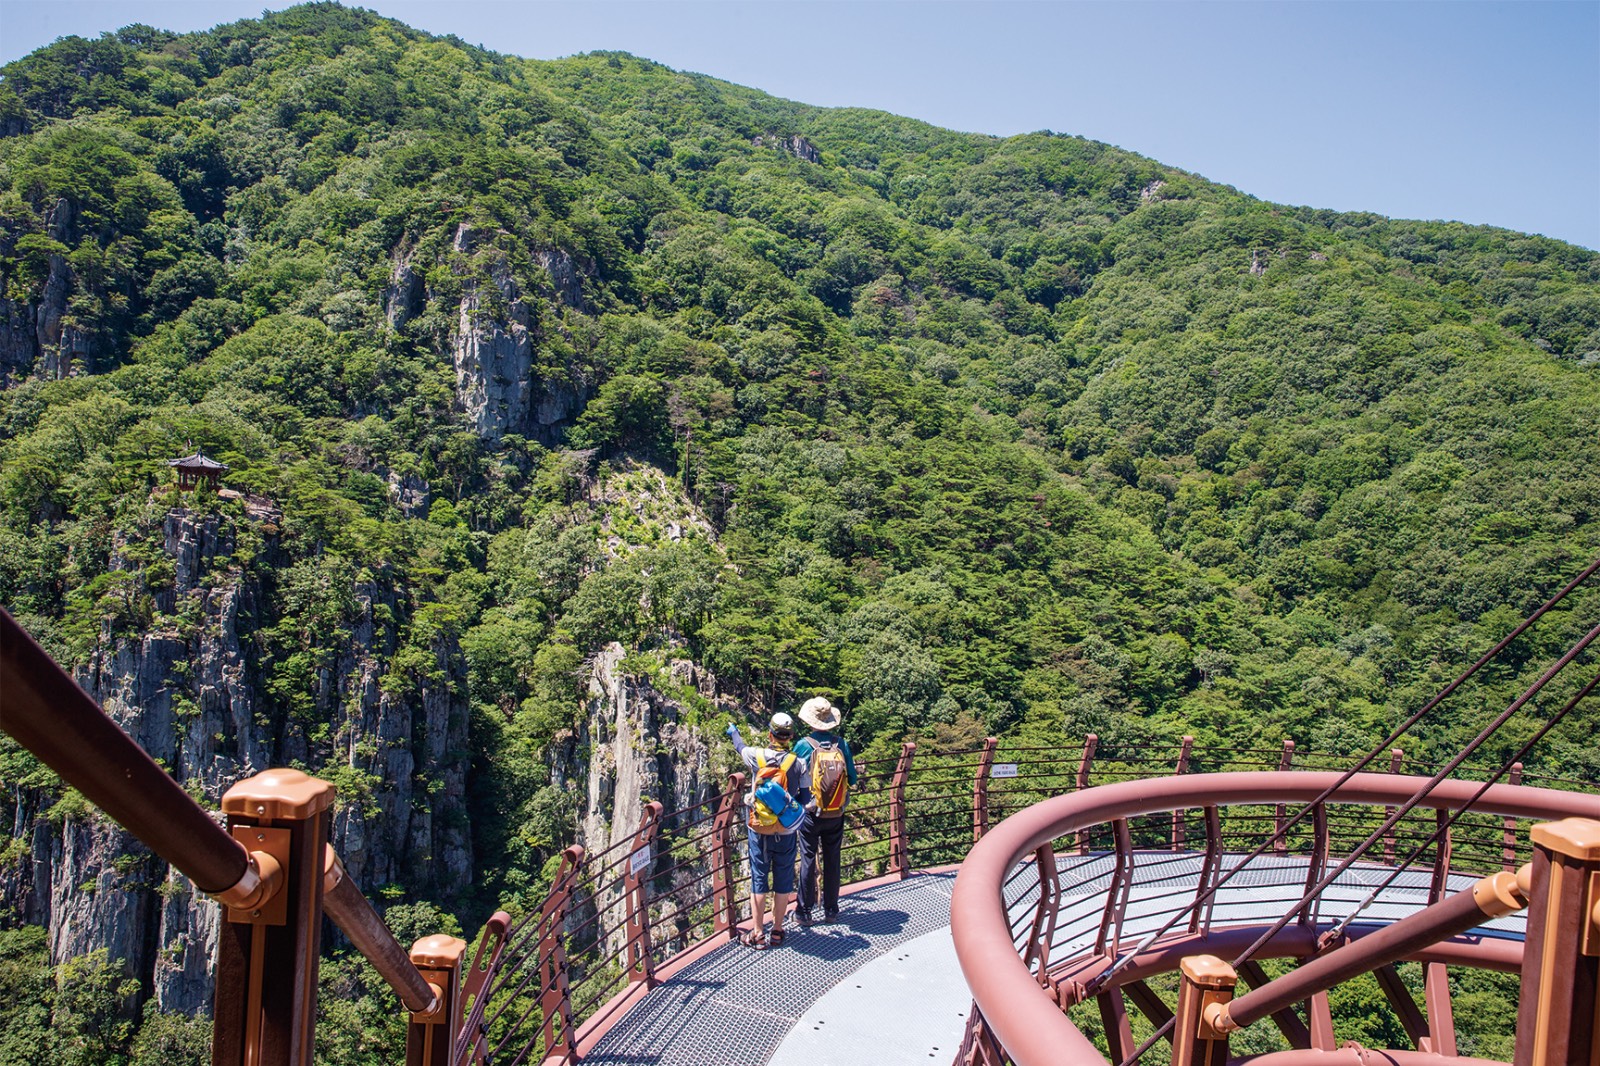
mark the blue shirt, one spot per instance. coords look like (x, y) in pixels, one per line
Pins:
(805, 747)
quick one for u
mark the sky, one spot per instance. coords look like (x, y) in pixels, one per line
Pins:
(1481, 112)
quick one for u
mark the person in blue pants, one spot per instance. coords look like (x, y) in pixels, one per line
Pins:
(771, 845)
(833, 774)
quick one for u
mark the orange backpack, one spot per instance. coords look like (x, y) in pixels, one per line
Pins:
(830, 779)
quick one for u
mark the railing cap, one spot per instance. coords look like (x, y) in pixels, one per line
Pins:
(280, 794)
(438, 952)
(1208, 971)
(1576, 838)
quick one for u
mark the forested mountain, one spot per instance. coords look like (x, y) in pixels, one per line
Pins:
(512, 360)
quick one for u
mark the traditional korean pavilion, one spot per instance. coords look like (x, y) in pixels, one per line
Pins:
(193, 469)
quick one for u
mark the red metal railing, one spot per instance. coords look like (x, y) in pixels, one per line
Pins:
(271, 867)
(1027, 964)
(547, 984)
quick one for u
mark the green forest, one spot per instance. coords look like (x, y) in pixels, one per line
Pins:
(1024, 436)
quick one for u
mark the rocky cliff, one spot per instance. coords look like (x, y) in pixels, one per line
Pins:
(498, 345)
(189, 689)
(39, 336)
(640, 747)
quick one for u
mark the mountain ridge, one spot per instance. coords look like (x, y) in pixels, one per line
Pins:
(1030, 436)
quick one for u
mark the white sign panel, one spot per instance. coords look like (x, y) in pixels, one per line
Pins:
(1003, 769)
(639, 859)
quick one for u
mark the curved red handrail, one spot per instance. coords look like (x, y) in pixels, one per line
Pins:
(1024, 1019)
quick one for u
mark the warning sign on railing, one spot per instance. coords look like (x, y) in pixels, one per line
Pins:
(1004, 769)
(639, 859)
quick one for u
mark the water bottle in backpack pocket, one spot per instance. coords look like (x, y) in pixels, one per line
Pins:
(772, 808)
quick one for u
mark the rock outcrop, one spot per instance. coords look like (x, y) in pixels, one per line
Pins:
(639, 749)
(38, 336)
(188, 688)
(497, 337)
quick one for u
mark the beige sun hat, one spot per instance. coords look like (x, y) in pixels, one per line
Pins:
(818, 713)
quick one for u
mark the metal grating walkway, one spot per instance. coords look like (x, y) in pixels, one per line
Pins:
(883, 985)
(735, 1006)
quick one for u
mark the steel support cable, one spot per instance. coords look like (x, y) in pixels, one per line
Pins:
(1401, 811)
(1377, 834)
(1467, 807)
(1367, 759)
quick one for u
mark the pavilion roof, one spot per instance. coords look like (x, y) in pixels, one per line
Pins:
(197, 461)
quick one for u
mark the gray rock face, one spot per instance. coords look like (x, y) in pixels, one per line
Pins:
(403, 296)
(19, 348)
(566, 282)
(794, 144)
(412, 494)
(638, 749)
(37, 335)
(396, 833)
(494, 361)
(495, 343)
(189, 695)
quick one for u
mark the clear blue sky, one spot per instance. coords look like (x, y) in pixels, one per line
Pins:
(1481, 112)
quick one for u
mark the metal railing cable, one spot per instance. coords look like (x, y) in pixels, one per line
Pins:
(1389, 821)
(1432, 782)
(1384, 745)
(1445, 826)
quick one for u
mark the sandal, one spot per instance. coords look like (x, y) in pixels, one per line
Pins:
(755, 938)
(777, 937)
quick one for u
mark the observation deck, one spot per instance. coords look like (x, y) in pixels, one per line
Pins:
(1003, 903)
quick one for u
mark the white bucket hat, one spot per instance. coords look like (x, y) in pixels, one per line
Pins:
(818, 713)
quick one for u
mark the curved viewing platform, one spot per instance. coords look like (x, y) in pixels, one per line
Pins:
(1000, 901)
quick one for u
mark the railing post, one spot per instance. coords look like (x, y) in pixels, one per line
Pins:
(980, 789)
(1205, 986)
(1317, 865)
(1508, 840)
(1280, 843)
(555, 1001)
(899, 845)
(1556, 1018)
(1396, 757)
(1085, 763)
(1179, 830)
(431, 1036)
(723, 875)
(1205, 898)
(641, 860)
(266, 979)
(1044, 913)
(1109, 940)
(485, 964)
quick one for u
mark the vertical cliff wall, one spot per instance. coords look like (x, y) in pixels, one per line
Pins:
(189, 689)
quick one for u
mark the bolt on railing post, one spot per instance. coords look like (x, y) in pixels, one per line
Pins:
(641, 860)
(1205, 986)
(1508, 840)
(1179, 830)
(555, 1002)
(265, 1009)
(724, 878)
(1280, 843)
(1561, 953)
(431, 1035)
(899, 845)
(1085, 763)
(980, 789)
(1396, 757)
